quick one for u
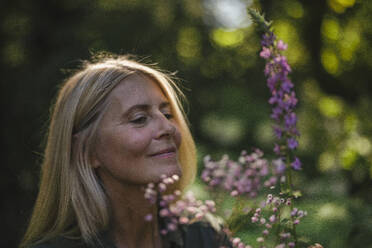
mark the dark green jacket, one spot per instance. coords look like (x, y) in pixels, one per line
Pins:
(196, 235)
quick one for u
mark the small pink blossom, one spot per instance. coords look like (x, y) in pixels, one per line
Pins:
(265, 53)
(281, 45)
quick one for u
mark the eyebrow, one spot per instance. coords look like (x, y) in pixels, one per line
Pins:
(145, 107)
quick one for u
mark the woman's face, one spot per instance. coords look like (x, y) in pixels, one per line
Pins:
(138, 139)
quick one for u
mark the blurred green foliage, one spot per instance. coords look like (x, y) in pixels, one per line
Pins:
(215, 49)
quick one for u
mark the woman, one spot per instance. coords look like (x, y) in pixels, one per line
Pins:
(116, 126)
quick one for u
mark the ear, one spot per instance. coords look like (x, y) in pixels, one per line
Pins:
(95, 162)
(93, 157)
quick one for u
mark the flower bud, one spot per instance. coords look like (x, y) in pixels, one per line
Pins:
(164, 212)
(254, 219)
(260, 239)
(291, 244)
(171, 227)
(272, 218)
(235, 241)
(184, 220)
(262, 221)
(162, 187)
(234, 193)
(148, 217)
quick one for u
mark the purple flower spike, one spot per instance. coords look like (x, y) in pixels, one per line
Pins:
(283, 98)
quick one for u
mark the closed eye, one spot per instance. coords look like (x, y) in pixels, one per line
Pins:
(139, 120)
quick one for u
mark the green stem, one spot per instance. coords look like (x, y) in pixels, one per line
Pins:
(289, 177)
(290, 187)
(278, 229)
(235, 212)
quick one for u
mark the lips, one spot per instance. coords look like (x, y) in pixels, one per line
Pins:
(164, 152)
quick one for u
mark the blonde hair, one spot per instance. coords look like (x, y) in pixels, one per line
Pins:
(71, 200)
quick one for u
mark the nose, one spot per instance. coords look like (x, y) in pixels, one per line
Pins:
(166, 127)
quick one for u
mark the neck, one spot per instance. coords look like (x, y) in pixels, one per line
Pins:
(129, 208)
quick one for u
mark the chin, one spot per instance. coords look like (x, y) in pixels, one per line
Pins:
(170, 171)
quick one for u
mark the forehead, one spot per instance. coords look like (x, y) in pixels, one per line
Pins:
(136, 89)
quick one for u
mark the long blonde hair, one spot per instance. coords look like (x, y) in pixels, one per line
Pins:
(71, 200)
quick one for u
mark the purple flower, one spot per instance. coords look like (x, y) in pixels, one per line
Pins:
(291, 99)
(278, 131)
(294, 212)
(271, 81)
(205, 176)
(269, 68)
(272, 218)
(148, 217)
(296, 164)
(290, 120)
(268, 39)
(276, 113)
(277, 149)
(291, 244)
(265, 53)
(281, 45)
(287, 85)
(274, 99)
(292, 143)
(279, 166)
(282, 62)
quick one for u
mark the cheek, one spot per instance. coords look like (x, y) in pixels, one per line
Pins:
(137, 143)
(177, 137)
(121, 145)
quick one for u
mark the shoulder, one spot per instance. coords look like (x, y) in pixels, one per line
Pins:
(204, 235)
(61, 242)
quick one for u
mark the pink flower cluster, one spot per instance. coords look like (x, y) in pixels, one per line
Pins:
(237, 243)
(243, 177)
(272, 213)
(176, 209)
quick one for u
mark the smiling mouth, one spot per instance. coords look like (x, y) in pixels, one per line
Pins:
(169, 152)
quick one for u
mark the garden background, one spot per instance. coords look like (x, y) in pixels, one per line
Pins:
(214, 49)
